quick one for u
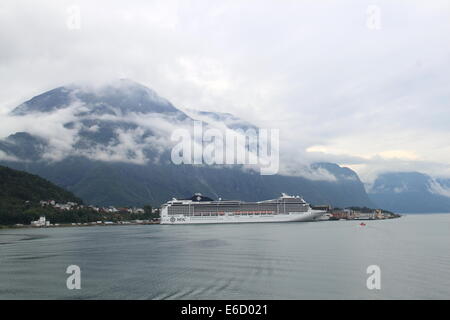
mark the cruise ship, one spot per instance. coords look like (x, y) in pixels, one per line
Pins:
(200, 209)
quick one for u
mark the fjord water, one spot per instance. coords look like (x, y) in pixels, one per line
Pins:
(316, 260)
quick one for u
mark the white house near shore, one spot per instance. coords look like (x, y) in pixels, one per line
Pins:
(42, 222)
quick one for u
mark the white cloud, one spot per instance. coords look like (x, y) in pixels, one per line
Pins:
(437, 188)
(6, 157)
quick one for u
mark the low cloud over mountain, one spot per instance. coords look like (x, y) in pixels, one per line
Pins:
(411, 192)
(115, 138)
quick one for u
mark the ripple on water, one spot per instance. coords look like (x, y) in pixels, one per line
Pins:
(9, 238)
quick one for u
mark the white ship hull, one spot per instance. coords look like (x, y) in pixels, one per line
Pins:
(310, 215)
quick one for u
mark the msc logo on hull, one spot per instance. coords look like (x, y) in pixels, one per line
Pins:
(173, 219)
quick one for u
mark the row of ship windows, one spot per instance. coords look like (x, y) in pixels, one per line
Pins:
(237, 204)
(241, 208)
(240, 212)
(187, 212)
(223, 213)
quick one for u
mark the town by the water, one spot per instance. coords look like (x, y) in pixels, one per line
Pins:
(331, 214)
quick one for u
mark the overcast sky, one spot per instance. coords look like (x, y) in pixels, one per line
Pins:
(363, 84)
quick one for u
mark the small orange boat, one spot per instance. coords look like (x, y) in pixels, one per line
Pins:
(362, 224)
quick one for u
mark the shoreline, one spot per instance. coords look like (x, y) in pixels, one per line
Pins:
(74, 225)
(84, 224)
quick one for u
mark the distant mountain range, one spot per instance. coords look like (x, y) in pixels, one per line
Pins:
(411, 192)
(110, 145)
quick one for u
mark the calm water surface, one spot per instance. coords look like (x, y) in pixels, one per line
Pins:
(318, 260)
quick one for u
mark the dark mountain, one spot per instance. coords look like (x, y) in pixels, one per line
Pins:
(106, 183)
(119, 153)
(411, 192)
(19, 186)
(20, 193)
